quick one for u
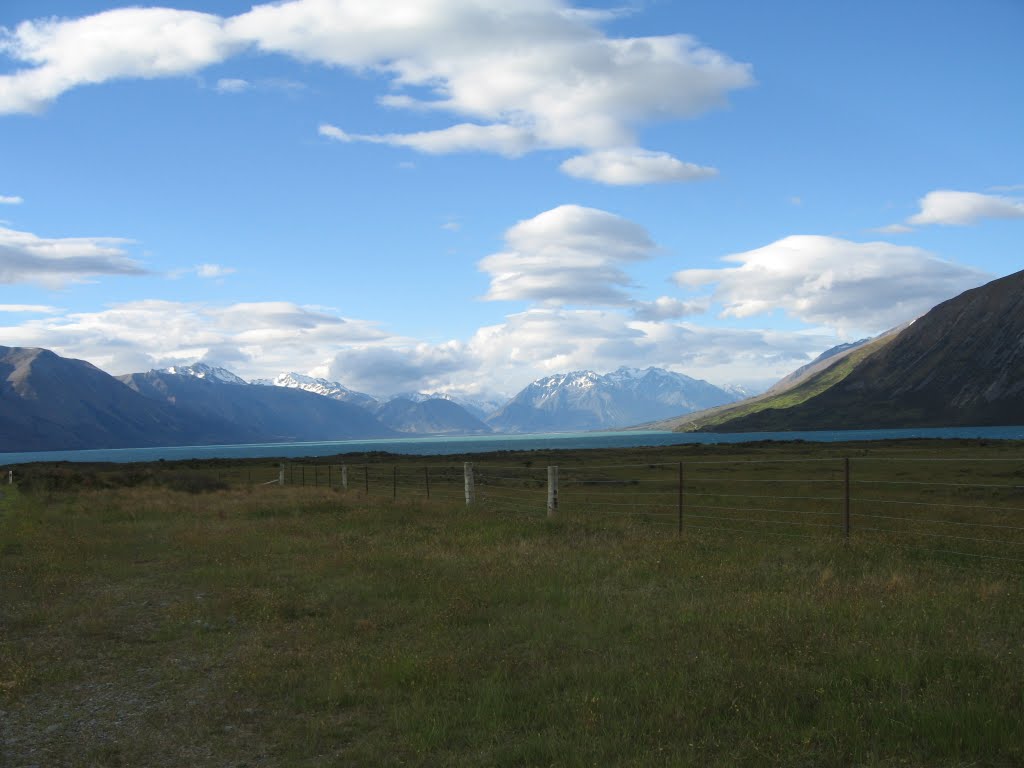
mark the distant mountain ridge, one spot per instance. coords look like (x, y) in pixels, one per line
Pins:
(585, 400)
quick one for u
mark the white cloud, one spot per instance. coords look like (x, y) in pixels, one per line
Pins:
(946, 206)
(54, 262)
(256, 339)
(568, 255)
(837, 283)
(10, 200)
(668, 308)
(504, 140)
(629, 166)
(121, 43)
(893, 229)
(36, 309)
(232, 85)
(214, 271)
(519, 77)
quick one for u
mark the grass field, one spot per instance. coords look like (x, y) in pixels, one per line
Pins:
(278, 626)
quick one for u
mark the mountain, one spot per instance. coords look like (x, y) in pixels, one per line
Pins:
(433, 416)
(584, 400)
(48, 402)
(322, 387)
(263, 414)
(961, 364)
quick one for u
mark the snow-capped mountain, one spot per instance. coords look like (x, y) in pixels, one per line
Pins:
(204, 371)
(583, 400)
(323, 387)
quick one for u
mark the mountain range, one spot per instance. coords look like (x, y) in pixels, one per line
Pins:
(584, 400)
(962, 363)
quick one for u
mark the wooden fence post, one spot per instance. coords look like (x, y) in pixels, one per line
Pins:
(344, 477)
(680, 497)
(366, 480)
(426, 479)
(280, 474)
(394, 482)
(846, 498)
(552, 491)
(467, 471)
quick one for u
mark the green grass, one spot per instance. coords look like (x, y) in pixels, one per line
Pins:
(305, 627)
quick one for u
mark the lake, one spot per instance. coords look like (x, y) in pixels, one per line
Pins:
(433, 446)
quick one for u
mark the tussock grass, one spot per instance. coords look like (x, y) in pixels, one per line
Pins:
(302, 626)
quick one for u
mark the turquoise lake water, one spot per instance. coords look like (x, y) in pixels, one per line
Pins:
(433, 446)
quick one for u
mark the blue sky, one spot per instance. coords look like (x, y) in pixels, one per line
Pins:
(465, 195)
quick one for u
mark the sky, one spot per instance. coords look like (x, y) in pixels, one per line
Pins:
(466, 195)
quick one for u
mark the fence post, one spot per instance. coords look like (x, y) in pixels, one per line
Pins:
(394, 482)
(680, 497)
(426, 479)
(10, 477)
(344, 477)
(552, 491)
(366, 480)
(280, 474)
(846, 498)
(467, 471)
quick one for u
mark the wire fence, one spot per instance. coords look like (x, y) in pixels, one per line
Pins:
(963, 510)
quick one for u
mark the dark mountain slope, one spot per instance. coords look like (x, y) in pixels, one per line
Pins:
(960, 364)
(48, 402)
(263, 413)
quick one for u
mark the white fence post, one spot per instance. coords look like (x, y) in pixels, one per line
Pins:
(344, 477)
(10, 477)
(280, 474)
(552, 491)
(467, 470)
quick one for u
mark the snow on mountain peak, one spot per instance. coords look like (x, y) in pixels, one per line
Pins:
(204, 371)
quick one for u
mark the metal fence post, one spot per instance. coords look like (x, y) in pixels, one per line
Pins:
(846, 498)
(467, 471)
(552, 491)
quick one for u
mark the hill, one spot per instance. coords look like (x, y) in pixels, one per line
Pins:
(961, 364)
(49, 402)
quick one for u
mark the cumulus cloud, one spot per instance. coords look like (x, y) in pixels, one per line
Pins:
(254, 339)
(568, 255)
(950, 207)
(10, 200)
(833, 282)
(55, 262)
(387, 371)
(127, 42)
(631, 166)
(531, 75)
